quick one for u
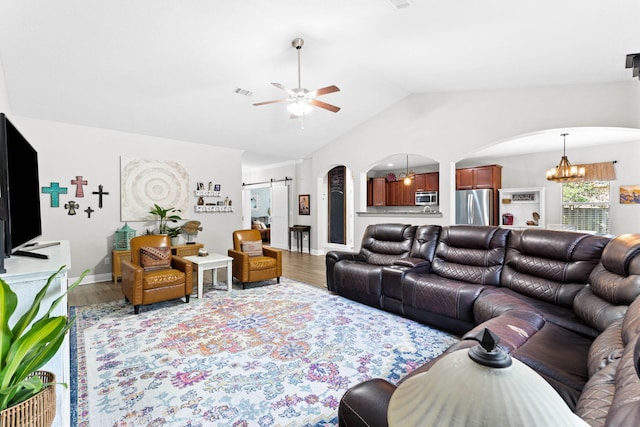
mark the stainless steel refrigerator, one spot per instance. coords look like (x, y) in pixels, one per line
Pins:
(474, 207)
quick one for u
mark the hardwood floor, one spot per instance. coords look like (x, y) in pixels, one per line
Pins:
(298, 266)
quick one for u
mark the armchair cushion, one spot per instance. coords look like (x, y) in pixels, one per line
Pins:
(162, 278)
(155, 258)
(252, 248)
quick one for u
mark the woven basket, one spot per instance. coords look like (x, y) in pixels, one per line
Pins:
(37, 411)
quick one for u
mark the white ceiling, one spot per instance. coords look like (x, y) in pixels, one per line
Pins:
(169, 68)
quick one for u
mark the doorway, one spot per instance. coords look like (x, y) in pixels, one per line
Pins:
(268, 203)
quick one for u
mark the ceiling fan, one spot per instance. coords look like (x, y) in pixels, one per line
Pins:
(300, 99)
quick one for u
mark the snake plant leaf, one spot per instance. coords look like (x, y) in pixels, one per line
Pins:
(32, 312)
(8, 303)
(21, 391)
(37, 359)
(25, 349)
(32, 339)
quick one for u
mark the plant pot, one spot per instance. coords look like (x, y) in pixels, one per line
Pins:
(37, 411)
(175, 241)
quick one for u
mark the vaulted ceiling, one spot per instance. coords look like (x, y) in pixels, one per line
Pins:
(171, 68)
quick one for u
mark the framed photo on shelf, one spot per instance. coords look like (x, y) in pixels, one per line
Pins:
(303, 205)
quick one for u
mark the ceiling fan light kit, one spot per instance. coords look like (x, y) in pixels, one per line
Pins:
(301, 101)
(565, 171)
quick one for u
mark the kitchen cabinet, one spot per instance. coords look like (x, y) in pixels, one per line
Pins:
(482, 177)
(427, 181)
(479, 177)
(399, 194)
(378, 191)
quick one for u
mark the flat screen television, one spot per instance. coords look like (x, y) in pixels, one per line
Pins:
(19, 188)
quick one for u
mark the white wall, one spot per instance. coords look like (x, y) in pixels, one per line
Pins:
(65, 151)
(447, 127)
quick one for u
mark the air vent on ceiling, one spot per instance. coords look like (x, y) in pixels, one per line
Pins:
(400, 4)
(244, 92)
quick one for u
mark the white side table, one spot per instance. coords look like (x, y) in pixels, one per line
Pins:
(211, 262)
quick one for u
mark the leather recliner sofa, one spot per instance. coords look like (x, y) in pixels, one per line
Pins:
(563, 303)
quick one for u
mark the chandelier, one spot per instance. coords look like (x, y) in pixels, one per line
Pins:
(565, 171)
(408, 176)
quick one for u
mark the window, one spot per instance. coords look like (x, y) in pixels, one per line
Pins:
(586, 205)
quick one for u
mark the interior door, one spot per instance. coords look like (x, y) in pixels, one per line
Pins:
(279, 215)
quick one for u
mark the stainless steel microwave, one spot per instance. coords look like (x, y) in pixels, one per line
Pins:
(426, 198)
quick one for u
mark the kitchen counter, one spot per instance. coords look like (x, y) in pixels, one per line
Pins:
(436, 214)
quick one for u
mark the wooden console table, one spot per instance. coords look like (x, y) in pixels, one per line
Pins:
(118, 255)
(299, 231)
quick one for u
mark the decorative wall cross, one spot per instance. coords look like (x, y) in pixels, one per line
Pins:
(55, 190)
(79, 182)
(100, 193)
(89, 211)
(72, 206)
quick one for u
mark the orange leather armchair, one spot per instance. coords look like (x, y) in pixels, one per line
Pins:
(142, 286)
(254, 268)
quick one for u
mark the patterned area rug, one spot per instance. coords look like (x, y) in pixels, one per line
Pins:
(279, 355)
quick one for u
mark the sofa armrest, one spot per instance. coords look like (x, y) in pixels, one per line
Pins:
(186, 267)
(366, 404)
(413, 263)
(181, 264)
(240, 264)
(272, 252)
(351, 256)
(132, 281)
(277, 254)
(333, 257)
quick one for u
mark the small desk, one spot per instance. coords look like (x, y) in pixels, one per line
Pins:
(299, 230)
(211, 262)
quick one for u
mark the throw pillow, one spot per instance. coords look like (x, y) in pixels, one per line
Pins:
(262, 225)
(155, 258)
(252, 248)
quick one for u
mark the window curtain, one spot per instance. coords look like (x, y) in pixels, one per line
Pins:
(603, 171)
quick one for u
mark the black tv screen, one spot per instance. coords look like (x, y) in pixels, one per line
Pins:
(21, 187)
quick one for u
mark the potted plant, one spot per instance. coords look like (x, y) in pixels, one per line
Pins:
(174, 234)
(165, 216)
(27, 346)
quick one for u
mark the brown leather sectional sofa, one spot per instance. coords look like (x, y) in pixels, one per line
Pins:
(563, 303)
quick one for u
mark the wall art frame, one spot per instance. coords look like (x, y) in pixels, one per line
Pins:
(145, 182)
(304, 205)
(630, 194)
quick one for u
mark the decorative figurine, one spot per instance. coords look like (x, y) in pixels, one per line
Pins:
(72, 206)
(79, 182)
(100, 193)
(191, 228)
(200, 201)
(55, 190)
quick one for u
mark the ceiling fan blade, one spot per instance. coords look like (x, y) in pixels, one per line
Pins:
(324, 91)
(257, 104)
(284, 88)
(324, 105)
